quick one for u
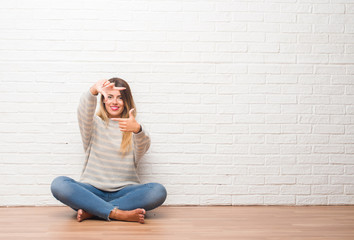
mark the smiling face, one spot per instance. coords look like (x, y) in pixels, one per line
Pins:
(114, 104)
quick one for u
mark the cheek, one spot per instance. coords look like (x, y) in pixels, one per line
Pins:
(106, 107)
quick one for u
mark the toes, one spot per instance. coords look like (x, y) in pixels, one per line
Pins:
(79, 214)
(141, 211)
(141, 218)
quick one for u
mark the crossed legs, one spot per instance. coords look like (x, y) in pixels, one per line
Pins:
(127, 204)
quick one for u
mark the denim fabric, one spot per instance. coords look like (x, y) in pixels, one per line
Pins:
(100, 203)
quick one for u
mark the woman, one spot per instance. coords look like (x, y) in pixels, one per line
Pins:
(114, 142)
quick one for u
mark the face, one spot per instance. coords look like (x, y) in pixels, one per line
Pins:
(114, 104)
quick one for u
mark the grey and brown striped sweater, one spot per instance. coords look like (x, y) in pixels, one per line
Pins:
(105, 167)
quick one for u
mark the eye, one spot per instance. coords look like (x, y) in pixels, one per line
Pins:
(109, 97)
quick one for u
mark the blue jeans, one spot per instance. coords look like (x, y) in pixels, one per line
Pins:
(100, 203)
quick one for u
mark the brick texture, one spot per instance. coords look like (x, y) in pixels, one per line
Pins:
(246, 102)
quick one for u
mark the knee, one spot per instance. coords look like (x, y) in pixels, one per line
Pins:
(159, 191)
(58, 185)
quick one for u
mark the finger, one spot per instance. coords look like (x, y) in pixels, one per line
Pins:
(108, 85)
(119, 88)
(131, 113)
(122, 120)
(105, 83)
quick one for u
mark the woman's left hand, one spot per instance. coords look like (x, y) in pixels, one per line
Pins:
(128, 124)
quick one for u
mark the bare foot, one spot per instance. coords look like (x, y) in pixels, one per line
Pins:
(82, 215)
(136, 215)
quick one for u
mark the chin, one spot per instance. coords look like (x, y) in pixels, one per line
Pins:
(114, 115)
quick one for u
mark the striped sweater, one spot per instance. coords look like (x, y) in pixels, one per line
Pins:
(105, 167)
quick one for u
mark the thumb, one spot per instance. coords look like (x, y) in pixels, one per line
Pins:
(131, 113)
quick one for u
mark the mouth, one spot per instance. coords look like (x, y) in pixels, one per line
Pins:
(114, 108)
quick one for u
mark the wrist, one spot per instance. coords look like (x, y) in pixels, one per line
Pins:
(138, 129)
(93, 91)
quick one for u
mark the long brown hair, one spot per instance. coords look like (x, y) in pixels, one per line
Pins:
(129, 104)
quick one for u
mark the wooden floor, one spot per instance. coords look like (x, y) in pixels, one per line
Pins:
(212, 222)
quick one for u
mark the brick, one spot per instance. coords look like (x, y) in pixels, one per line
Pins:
(341, 179)
(295, 128)
(281, 79)
(295, 48)
(281, 38)
(240, 139)
(328, 48)
(249, 160)
(295, 149)
(319, 58)
(340, 200)
(329, 129)
(263, 128)
(265, 108)
(296, 170)
(232, 149)
(315, 159)
(252, 180)
(279, 139)
(297, 190)
(312, 180)
(280, 180)
(264, 190)
(330, 170)
(220, 118)
(215, 199)
(215, 139)
(264, 149)
(312, 139)
(264, 170)
(280, 17)
(247, 200)
(311, 200)
(237, 190)
(214, 179)
(313, 38)
(263, 48)
(248, 118)
(279, 200)
(219, 159)
(327, 190)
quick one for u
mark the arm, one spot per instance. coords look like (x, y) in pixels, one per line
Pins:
(85, 114)
(86, 110)
(141, 139)
(142, 143)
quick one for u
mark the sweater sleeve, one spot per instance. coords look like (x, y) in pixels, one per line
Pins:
(141, 144)
(85, 114)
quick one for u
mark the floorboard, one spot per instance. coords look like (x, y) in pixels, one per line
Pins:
(187, 222)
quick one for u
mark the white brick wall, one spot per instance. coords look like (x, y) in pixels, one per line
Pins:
(247, 102)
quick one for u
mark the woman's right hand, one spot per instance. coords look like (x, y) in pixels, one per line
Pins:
(101, 85)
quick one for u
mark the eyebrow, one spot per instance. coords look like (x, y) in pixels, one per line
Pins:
(113, 95)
